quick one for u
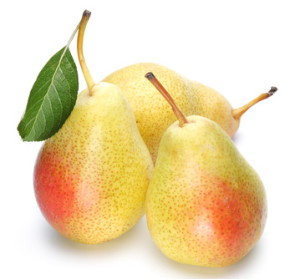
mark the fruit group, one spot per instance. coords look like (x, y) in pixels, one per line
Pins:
(92, 176)
(152, 113)
(205, 204)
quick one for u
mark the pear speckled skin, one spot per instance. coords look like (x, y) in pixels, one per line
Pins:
(92, 176)
(205, 204)
(154, 115)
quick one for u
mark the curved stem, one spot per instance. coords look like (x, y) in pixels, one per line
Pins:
(82, 25)
(238, 112)
(180, 116)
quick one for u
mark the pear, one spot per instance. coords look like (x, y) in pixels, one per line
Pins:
(205, 204)
(92, 176)
(152, 113)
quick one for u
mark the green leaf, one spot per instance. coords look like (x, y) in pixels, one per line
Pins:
(51, 99)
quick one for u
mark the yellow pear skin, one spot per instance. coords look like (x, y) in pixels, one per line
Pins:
(205, 204)
(153, 114)
(92, 176)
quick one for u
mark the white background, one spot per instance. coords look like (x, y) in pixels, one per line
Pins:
(240, 48)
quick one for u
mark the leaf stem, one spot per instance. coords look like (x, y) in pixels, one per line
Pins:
(180, 116)
(68, 44)
(72, 36)
(82, 25)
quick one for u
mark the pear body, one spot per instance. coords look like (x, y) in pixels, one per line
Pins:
(154, 115)
(91, 177)
(205, 204)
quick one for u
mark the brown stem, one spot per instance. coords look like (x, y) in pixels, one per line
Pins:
(238, 112)
(82, 25)
(180, 116)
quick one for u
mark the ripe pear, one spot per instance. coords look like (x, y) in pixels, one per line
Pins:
(152, 113)
(205, 204)
(92, 176)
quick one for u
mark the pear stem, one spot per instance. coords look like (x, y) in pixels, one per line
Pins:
(238, 112)
(180, 116)
(82, 25)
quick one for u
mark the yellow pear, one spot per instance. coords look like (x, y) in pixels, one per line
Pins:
(92, 176)
(154, 116)
(205, 204)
